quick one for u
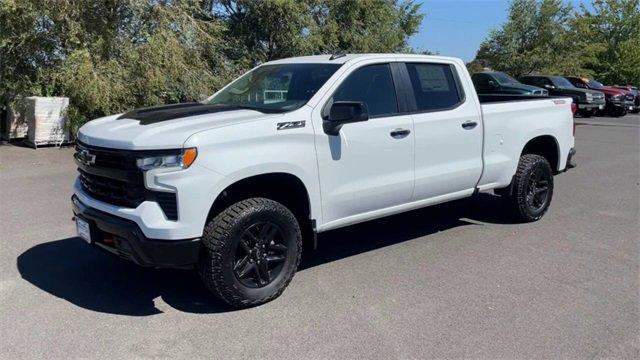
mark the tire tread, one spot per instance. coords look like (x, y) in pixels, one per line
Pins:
(517, 198)
(215, 237)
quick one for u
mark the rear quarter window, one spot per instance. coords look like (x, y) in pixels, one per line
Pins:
(434, 86)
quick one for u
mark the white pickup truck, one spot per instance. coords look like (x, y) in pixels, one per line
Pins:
(233, 184)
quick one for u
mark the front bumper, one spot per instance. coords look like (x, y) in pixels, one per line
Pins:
(591, 106)
(630, 105)
(620, 105)
(124, 238)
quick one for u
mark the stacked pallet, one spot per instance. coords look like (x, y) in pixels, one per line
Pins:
(46, 120)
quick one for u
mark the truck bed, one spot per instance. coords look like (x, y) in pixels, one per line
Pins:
(509, 120)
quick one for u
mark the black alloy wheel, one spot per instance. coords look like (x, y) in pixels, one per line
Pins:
(260, 254)
(250, 252)
(537, 190)
(531, 190)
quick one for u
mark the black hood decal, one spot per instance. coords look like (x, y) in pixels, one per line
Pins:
(155, 114)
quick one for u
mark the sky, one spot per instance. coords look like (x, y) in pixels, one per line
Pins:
(457, 27)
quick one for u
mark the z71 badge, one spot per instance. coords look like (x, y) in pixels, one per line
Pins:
(291, 125)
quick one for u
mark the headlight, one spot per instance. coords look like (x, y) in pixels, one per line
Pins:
(616, 97)
(178, 161)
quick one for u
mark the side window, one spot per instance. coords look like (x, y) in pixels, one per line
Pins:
(577, 83)
(434, 86)
(481, 81)
(372, 85)
(536, 81)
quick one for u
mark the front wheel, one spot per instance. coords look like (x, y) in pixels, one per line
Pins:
(532, 188)
(250, 252)
(618, 112)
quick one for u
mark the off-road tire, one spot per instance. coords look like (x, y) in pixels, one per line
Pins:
(618, 113)
(517, 199)
(586, 113)
(222, 237)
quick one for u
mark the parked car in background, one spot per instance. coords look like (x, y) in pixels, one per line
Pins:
(588, 101)
(501, 83)
(636, 94)
(617, 101)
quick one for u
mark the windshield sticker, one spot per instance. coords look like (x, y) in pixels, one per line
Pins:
(432, 78)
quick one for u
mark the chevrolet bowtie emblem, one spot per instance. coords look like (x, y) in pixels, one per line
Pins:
(86, 158)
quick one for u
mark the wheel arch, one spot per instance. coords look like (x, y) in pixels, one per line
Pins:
(283, 187)
(546, 146)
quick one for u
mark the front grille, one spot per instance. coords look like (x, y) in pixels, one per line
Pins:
(112, 191)
(113, 177)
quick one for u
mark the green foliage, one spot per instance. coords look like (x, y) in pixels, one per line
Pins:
(611, 35)
(271, 29)
(534, 38)
(113, 55)
(548, 36)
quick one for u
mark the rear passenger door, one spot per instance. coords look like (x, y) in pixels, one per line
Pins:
(448, 132)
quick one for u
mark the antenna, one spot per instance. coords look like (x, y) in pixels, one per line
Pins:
(337, 56)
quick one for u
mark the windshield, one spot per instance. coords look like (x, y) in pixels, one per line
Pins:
(275, 88)
(561, 82)
(505, 79)
(594, 84)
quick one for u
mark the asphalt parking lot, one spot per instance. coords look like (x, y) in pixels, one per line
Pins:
(456, 280)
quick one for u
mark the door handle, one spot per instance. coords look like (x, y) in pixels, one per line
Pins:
(400, 133)
(468, 125)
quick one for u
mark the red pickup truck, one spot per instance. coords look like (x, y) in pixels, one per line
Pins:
(619, 101)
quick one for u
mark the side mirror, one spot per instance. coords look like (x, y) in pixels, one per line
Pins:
(492, 84)
(344, 112)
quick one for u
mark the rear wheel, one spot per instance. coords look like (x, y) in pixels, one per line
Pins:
(587, 113)
(250, 252)
(532, 188)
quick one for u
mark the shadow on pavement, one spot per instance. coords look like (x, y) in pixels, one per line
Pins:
(94, 280)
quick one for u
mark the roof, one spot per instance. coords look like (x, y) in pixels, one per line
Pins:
(326, 59)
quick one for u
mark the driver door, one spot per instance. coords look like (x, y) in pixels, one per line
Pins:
(368, 166)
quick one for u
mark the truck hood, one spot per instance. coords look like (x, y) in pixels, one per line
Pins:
(610, 91)
(154, 128)
(522, 87)
(574, 91)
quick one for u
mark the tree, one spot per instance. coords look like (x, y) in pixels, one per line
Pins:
(272, 29)
(362, 26)
(112, 55)
(610, 33)
(535, 38)
(545, 36)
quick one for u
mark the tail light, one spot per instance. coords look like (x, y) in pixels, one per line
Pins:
(574, 108)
